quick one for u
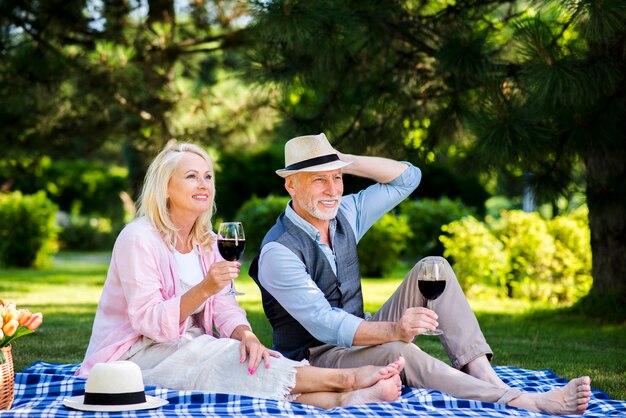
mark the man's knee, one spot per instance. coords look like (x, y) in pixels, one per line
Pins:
(395, 349)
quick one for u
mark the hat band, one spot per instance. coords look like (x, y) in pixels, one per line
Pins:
(313, 161)
(114, 398)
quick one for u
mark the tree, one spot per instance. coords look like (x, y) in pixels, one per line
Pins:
(81, 77)
(496, 85)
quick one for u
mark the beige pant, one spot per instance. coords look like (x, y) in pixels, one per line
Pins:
(462, 339)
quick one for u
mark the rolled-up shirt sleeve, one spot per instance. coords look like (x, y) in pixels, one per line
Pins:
(364, 208)
(284, 276)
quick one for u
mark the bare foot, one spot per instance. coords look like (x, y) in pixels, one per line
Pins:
(481, 369)
(573, 398)
(386, 390)
(367, 376)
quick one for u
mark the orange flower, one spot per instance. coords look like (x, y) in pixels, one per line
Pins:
(34, 321)
(10, 327)
(15, 323)
(10, 313)
(24, 316)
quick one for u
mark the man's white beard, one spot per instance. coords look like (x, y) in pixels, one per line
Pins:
(317, 213)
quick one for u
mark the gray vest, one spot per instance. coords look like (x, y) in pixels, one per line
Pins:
(342, 290)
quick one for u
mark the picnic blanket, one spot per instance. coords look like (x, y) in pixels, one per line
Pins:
(40, 389)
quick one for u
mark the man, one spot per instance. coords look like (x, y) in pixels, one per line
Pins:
(308, 273)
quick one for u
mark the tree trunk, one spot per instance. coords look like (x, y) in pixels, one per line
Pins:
(606, 185)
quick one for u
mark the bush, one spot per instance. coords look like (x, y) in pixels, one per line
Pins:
(240, 175)
(27, 230)
(533, 258)
(87, 234)
(380, 248)
(258, 216)
(76, 186)
(425, 218)
(481, 262)
(573, 254)
(439, 180)
(531, 251)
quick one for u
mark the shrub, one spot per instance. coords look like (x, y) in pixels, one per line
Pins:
(480, 260)
(443, 180)
(533, 258)
(240, 175)
(83, 234)
(425, 218)
(573, 254)
(381, 246)
(258, 216)
(531, 250)
(27, 230)
(77, 186)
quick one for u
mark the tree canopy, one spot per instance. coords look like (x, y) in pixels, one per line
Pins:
(494, 86)
(488, 87)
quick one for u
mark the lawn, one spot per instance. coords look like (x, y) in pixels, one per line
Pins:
(521, 334)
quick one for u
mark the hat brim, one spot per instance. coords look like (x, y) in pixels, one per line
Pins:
(320, 167)
(77, 402)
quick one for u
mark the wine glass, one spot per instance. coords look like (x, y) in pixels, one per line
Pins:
(231, 241)
(431, 279)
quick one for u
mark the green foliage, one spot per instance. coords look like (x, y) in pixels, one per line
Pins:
(87, 187)
(425, 218)
(80, 186)
(480, 260)
(531, 251)
(521, 255)
(494, 86)
(258, 216)
(380, 248)
(27, 230)
(241, 175)
(572, 257)
(439, 180)
(87, 234)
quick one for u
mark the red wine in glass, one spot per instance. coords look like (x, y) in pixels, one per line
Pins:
(431, 280)
(231, 249)
(431, 289)
(231, 241)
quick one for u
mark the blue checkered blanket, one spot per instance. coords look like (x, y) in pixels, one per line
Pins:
(40, 389)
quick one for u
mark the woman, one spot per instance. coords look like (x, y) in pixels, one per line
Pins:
(163, 297)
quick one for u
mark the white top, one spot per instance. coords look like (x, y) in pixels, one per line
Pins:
(189, 270)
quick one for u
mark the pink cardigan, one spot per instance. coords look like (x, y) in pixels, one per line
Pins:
(141, 296)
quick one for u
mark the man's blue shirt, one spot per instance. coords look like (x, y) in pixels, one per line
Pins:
(285, 277)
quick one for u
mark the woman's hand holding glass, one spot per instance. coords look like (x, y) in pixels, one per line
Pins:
(221, 275)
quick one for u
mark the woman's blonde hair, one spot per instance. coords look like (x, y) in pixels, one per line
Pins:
(154, 203)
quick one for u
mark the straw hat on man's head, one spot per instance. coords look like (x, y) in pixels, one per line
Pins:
(310, 153)
(112, 387)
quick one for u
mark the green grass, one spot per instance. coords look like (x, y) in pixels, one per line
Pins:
(522, 334)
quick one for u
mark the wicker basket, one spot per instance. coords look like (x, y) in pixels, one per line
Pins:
(7, 379)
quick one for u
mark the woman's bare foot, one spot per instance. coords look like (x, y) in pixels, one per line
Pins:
(386, 390)
(366, 376)
(573, 398)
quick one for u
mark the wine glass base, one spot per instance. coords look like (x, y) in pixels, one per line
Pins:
(234, 293)
(433, 332)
